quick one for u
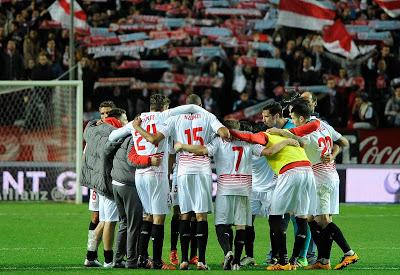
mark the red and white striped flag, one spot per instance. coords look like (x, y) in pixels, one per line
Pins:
(391, 7)
(306, 14)
(60, 11)
(337, 39)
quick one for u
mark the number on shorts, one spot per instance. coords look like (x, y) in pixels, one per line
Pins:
(326, 144)
(195, 136)
(148, 128)
(239, 158)
(94, 195)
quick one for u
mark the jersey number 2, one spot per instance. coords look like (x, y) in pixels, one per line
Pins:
(148, 128)
(239, 158)
(326, 144)
(196, 130)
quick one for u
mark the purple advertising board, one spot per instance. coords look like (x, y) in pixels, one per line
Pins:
(373, 185)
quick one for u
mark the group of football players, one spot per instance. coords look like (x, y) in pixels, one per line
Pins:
(286, 172)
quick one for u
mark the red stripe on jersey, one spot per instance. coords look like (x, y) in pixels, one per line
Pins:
(294, 165)
(235, 179)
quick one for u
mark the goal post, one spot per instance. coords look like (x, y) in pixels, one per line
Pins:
(41, 140)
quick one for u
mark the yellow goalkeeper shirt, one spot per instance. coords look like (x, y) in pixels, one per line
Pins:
(287, 158)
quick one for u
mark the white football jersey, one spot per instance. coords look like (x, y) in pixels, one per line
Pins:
(150, 122)
(320, 143)
(233, 161)
(263, 176)
(196, 129)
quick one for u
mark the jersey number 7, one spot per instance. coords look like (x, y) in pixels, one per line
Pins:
(239, 157)
(195, 131)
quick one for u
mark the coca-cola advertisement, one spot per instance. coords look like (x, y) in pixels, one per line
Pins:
(379, 146)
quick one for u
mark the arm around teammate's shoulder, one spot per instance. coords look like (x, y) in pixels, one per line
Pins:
(270, 151)
(154, 139)
(194, 149)
(258, 138)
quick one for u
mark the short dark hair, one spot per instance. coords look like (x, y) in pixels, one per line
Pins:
(246, 126)
(157, 102)
(259, 127)
(109, 104)
(299, 100)
(273, 108)
(193, 99)
(116, 112)
(301, 108)
(232, 124)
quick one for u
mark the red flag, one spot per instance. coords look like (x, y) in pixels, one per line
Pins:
(306, 14)
(338, 40)
(391, 7)
(60, 12)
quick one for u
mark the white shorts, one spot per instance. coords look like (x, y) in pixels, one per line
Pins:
(327, 194)
(232, 210)
(108, 211)
(194, 193)
(174, 192)
(260, 203)
(295, 193)
(153, 191)
(93, 201)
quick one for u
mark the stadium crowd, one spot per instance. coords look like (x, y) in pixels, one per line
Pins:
(34, 47)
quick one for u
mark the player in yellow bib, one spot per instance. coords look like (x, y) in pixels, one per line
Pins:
(295, 193)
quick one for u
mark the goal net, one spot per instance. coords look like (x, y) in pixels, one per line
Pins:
(40, 140)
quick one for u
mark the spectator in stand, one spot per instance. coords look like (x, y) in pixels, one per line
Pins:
(54, 57)
(363, 114)
(392, 63)
(31, 46)
(343, 81)
(243, 102)
(352, 66)
(392, 108)
(209, 102)
(309, 76)
(2, 38)
(29, 68)
(12, 63)
(260, 85)
(42, 70)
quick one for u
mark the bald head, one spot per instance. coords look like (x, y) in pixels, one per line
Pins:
(311, 99)
(193, 99)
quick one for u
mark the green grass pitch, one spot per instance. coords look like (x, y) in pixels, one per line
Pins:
(50, 237)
